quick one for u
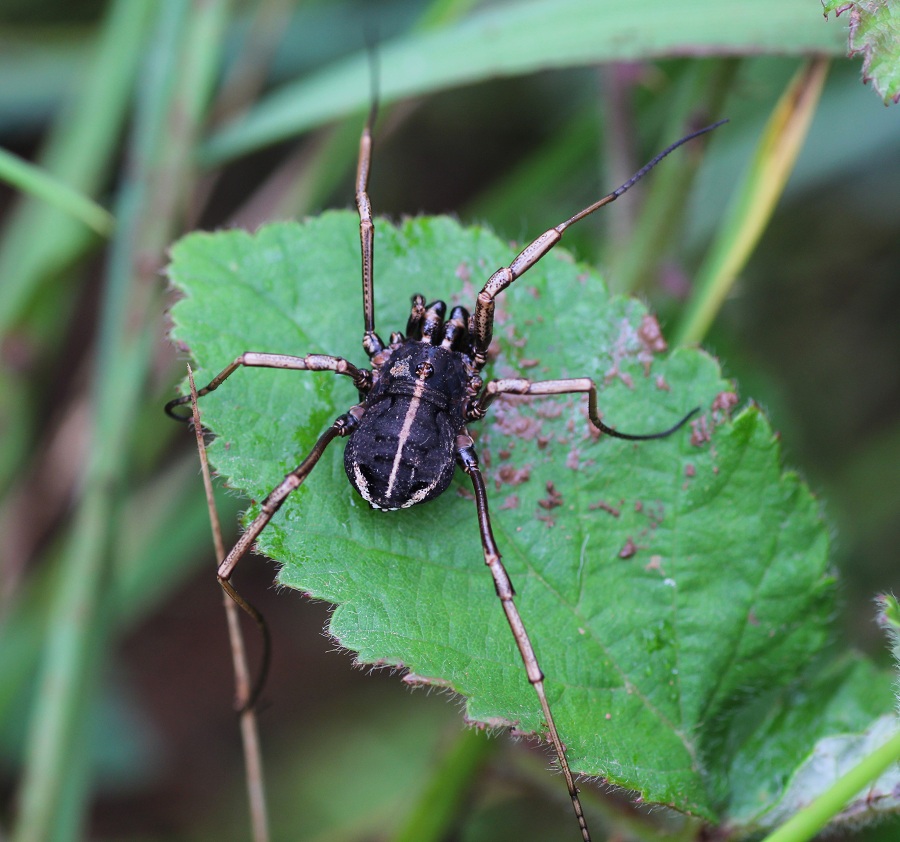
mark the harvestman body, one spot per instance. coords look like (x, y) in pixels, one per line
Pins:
(408, 432)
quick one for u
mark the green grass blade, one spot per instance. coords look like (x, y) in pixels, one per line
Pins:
(69, 670)
(170, 511)
(702, 89)
(308, 178)
(172, 98)
(79, 154)
(517, 38)
(434, 813)
(42, 185)
(754, 200)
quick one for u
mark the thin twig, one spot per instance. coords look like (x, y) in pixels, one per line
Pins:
(249, 733)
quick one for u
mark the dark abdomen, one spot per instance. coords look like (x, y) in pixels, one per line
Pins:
(402, 454)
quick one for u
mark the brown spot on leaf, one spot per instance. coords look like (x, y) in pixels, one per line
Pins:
(550, 409)
(604, 506)
(619, 351)
(699, 431)
(511, 422)
(652, 341)
(628, 549)
(656, 515)
(650, 335)
(655, 563)
(514, 338)
(722, 405)
(510, 475)
(553, 498)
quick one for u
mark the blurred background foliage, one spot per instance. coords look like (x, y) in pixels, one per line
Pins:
(115, 699)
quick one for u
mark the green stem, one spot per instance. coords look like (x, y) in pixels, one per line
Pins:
(810, 820)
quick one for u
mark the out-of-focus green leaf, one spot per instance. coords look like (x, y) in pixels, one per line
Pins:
(889, 620)
(874, 32)
(813, 726)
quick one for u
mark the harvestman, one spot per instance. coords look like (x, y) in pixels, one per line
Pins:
(408, 432)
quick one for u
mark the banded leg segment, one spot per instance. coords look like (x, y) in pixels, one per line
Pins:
(343, 426)
(484, 306)
(468, 460)
(362, 378)
(372, 344)
(575, 385)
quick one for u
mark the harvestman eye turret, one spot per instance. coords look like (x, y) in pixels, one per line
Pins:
(409, 431)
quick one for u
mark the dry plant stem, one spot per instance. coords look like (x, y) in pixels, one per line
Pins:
(249, 732)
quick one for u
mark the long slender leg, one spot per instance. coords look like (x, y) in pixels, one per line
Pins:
(542, 388)
(311, 362)
(469, 463)
(534, 251)
(371, 342)
(343, 426)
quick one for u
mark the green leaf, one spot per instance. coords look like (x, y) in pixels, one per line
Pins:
(819, 726)
(677, 582)
(889, 619)
(874, 32)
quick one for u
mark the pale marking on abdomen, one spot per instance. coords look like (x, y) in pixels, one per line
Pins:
(404, 433)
